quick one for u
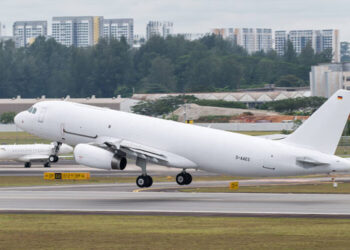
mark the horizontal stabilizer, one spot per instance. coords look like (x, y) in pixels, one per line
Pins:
(308, 162)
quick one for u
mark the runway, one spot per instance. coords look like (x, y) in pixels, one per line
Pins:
(164, 198)
(236, 204)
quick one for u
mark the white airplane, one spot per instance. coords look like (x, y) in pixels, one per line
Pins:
(47, 153)
(105, 138)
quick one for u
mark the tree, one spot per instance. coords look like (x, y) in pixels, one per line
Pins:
(307, 55)
(8, 117)
(161, 75)
(290, 55)
(289, 81)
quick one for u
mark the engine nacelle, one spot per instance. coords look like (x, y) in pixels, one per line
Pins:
(96, 157)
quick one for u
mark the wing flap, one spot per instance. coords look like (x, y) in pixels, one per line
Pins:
(137, 150)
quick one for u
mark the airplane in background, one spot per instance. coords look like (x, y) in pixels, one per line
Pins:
(105, 138)
(29, 153)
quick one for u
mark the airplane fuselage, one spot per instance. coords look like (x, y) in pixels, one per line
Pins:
(26, 151)
(208, 149)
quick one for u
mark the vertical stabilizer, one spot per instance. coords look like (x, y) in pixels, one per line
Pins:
(322, 131)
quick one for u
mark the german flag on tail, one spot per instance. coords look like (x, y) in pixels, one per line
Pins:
(340, 97)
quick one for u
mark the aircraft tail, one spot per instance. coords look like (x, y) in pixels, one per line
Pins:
(322, 131)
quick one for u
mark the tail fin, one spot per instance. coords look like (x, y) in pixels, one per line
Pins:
(322, 131)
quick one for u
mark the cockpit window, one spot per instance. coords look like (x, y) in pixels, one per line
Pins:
(32, 110)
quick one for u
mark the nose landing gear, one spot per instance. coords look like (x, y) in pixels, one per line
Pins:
(55, 150)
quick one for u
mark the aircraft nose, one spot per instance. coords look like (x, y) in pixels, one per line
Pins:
(19, 119)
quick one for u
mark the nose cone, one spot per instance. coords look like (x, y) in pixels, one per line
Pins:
(19, 120)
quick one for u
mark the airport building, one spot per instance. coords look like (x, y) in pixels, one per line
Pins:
(25, 32)
(326, 79)
(250, 98)
(320, 40)
(118, 28)
(82, 31)
(19, 104)
(253, 40)
(156, 28)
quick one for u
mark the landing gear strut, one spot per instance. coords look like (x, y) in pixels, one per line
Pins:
(56, 149)
(184, 178)
(144, 180)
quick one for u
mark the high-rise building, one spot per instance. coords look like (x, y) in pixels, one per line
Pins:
(118, 28)
(82, 31)
(320, 40)
(281, 38)
(25, 32)
(156, 28)
(345, 51)
(253, 40)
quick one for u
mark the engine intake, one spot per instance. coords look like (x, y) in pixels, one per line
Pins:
(96, 157)
(118, 162)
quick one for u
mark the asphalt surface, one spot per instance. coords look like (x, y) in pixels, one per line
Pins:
(175, 203)
(164, 198)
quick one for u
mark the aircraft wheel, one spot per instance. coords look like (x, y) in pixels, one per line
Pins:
(180, 179)
(47, 165)
(149, 181)
(188, 179)
(53, 158)
(27, 165)
(144, 181)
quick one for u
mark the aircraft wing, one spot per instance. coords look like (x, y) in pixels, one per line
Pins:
(136, 150)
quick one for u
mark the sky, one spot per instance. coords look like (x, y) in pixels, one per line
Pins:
(191, 16)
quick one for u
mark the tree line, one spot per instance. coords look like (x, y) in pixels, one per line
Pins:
(161, 65)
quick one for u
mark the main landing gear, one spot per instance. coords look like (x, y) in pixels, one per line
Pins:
(56, 149)
(184, 178)
(145, 181)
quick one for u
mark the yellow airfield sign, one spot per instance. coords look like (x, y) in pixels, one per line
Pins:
(234, 185)
(66, 176)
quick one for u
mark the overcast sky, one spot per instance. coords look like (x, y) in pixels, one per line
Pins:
(192, 16)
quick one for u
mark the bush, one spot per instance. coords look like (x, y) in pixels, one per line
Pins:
(220, 103)
(7, 117)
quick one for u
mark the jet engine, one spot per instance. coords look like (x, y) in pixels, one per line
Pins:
(96, 157)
